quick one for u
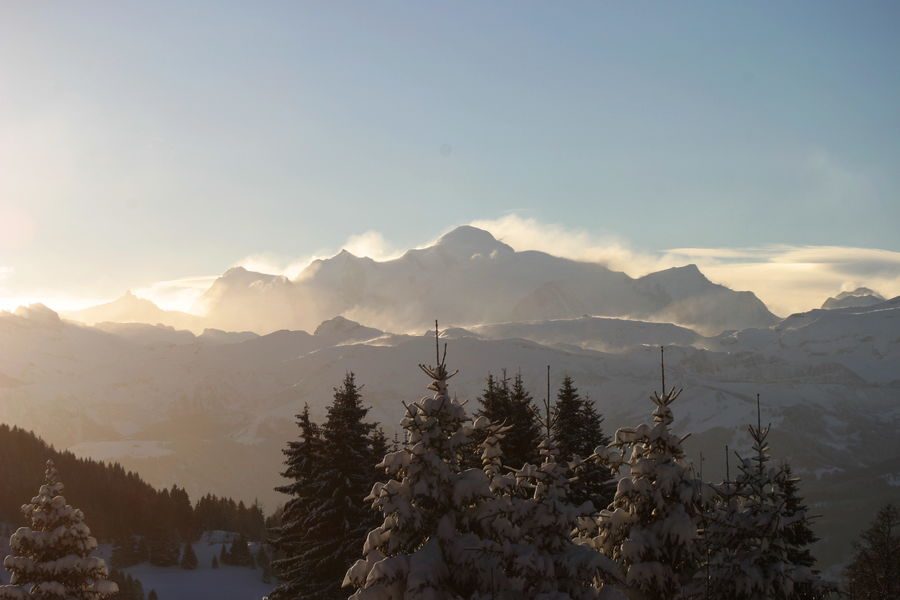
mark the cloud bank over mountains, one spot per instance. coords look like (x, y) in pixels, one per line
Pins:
(787, 278)
(467, 277)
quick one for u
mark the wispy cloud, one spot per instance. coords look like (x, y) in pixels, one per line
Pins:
(787, 278)
(370, 243)
(176, 294)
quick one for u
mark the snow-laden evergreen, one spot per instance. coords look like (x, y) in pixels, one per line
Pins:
(650, 529)
(546, 561)
(52, 558)
(756, 536)
(429, 545)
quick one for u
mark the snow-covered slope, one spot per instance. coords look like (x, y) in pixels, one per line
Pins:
(595, 333)
(863, 339)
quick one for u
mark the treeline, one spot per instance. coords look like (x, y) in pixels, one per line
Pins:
(520, 500)
(331, 467)
(118, 502)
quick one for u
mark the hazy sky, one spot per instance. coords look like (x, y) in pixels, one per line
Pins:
(142, 142)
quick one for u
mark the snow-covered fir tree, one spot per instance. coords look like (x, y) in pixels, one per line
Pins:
(429, 544)
(753, 551)
(289, 539)
(650, 529)
(531, 519)
(52, 558)
(874, 572)
(546, 561)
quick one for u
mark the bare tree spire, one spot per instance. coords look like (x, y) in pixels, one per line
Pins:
(438, 372)
(727, 465)
(662, 366)
(547, 418)
(758, 413)
(437, 344)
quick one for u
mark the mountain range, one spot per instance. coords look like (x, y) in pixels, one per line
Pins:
(467, 277)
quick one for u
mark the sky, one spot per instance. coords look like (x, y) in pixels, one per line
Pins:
(150, 146)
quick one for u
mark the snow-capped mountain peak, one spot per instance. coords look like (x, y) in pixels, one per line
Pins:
(860, 297)
(468, 241)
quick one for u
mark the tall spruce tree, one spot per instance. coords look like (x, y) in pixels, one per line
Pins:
(799, 536)
(290, 540)
(578, 431)
(521, 445)
(188, 557)
(493, 404)
(428, 545)
(511, 405)
(874, 573)
(52, 558)
(568, 422)
(542, 560)
(342, 517)
(755, 535)
(650, 529)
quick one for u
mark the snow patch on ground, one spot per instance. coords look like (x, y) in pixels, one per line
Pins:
(224, 583)
(892, 479)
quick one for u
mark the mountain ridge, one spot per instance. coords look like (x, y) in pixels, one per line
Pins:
(466, 277)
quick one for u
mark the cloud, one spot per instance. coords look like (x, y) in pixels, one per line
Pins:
(176, 294)
(370, 244)
(787, 278)
(526, 233)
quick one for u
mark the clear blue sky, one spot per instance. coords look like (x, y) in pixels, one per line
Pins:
(147, 141)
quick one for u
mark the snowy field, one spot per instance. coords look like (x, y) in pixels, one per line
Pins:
(174, 583)
(224, 583)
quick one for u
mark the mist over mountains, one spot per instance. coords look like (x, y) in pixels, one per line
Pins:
(466, 277)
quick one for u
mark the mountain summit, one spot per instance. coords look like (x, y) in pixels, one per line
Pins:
(858, 298)
(470, 277)
(468, 241)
